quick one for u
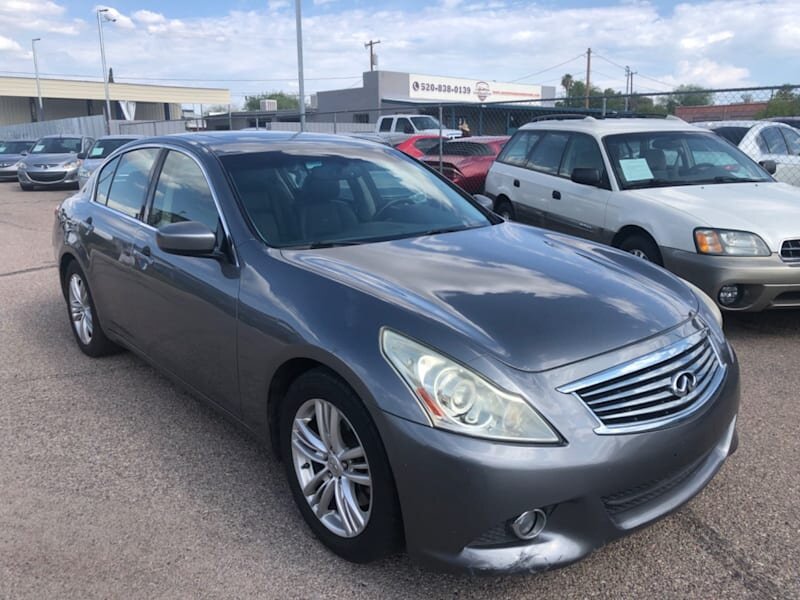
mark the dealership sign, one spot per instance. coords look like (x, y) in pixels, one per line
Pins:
(453, 89)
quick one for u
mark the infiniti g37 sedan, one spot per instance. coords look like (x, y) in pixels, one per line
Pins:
(484, 394)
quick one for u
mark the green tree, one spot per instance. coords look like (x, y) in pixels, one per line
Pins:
(685, 95)
(285, 101)
(784, 103)
(566, 83)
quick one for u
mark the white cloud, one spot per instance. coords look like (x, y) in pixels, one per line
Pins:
(148, 17)
(9, 45)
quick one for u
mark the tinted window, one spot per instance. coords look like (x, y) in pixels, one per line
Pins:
(426, 144)
(347, 196)
(774, 140)
(518, 147)
(182, 194)
(129, 186)
(57, 146)
(386, 124)
(546, 156)
(104, 181)
(403, 125)
(733, 134)
(103, 148)
(792, 140)
(14, 147)
(462, 149)
(582, 153)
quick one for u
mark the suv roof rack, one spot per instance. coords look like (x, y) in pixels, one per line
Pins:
(561, 116)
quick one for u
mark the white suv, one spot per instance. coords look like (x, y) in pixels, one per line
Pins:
(666, 191)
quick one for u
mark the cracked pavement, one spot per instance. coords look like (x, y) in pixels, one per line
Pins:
(115, 483)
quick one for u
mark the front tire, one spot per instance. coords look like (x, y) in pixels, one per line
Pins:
(505, 209)
(642, 246)
(337, 468)
(89, 335)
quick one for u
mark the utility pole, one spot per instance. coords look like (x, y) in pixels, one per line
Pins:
(104, 12)
(300, 82)
(40, 115)
(627, 87)
(371, 45)
(588, 75)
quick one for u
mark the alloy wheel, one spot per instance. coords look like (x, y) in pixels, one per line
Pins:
(80, 309)
(332, 468)
(639, 254)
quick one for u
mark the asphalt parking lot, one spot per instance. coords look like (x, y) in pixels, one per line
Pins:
(114, 483)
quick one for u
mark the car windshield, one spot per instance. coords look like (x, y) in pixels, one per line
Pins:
(425, 122)
(57, 146)
(328, 195)
(14, 147)
(733, 134)
(102, 148)
(671, 158)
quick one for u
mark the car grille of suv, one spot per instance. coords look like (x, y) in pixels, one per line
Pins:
(46, 177)
(652, 390)
(790, 250)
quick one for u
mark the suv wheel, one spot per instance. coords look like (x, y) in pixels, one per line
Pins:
(643, 247)
(505, 209)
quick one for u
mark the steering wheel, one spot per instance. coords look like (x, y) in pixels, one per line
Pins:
(397, 202)
(700, 167)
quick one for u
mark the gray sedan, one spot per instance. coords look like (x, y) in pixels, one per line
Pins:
(10, 154)
(100, 150)
(484, 394)
(52, 162)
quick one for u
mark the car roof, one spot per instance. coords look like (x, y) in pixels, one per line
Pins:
(235, 142)
(746, 124)
(121, 136)
(615, 125)
(63, 135)
(484, 139)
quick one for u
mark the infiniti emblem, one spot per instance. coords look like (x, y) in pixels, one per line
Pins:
(683, 383)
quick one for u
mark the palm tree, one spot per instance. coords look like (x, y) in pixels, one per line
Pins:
(566, 83)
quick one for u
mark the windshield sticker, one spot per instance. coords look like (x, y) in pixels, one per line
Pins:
(635, 169)
(38, 148)
(96, 152)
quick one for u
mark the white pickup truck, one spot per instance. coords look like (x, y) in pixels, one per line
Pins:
(397, 128)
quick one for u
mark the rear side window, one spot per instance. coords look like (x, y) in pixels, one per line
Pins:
(182, 194)
(775, 142)
(733, 134)
(518, 147)
(386, 124)
(131, 180)
(104, 181)
(792, 140)
(546, 155)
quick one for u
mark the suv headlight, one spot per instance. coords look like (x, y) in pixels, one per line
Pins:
(728, 242)
(458, 399)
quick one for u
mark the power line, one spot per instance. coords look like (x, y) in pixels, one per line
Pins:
(608, 60)
(616, 64)
(132, 77)
(669, 85)
(566, 62)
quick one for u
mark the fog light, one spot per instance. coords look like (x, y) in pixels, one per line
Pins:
(729, 294)
(529, 524)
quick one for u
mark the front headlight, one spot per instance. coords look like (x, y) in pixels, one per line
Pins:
(456, 398)
(710, 306)
(728, 242)
(21, 165)
(73, 164)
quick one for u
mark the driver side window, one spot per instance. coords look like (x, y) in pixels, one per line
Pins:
(403, 125)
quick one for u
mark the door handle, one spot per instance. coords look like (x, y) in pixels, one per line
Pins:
(516, 183)
(89, 226)
(556, 195)
(143, 257)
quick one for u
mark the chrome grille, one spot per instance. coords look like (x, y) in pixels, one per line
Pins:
(47, 177)
(790, 250)
(655, 389)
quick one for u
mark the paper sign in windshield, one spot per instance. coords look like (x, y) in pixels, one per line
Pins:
(96, 152)
(635, 169)
(38, 148)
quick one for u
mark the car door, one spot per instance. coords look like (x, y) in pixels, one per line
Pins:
(509, 176)
(576, 208)
(186, 320)
(111, 224)
(541, 176)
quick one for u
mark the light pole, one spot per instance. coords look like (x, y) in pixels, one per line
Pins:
(105, 16)
(299, 17)
(38, 85)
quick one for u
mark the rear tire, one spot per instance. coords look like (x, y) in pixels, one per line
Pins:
(359, 522)
(505, 209)
(85, 325)
(642, 246)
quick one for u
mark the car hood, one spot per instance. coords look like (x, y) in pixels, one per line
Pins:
(49, 159)
(770, 210)
(10, 157)
(532, 299)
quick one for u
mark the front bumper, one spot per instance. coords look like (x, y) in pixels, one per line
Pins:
(458, 494)
(767, 282)
(8, 173)
(48, 177)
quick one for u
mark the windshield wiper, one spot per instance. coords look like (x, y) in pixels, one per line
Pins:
(652, 183)
(732, 179)
(318, 245)
(448, 230)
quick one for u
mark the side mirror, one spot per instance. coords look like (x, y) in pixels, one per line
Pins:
(484, 201)
(188, 238)
(82, 156)
(24, 153)
(769, 166)
(587, 176)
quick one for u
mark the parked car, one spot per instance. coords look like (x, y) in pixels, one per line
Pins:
(417, 146)
(422, 366)
(668, 192)
(369, 136)
(466, 161)
(792, 121)
(764, 141)
(398, 128)
(53, 161)
(11, 152)
(99, 151)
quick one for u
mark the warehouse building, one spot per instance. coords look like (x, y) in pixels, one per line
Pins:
(66, 98)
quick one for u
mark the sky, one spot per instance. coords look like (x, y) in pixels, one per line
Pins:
(249, 47)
